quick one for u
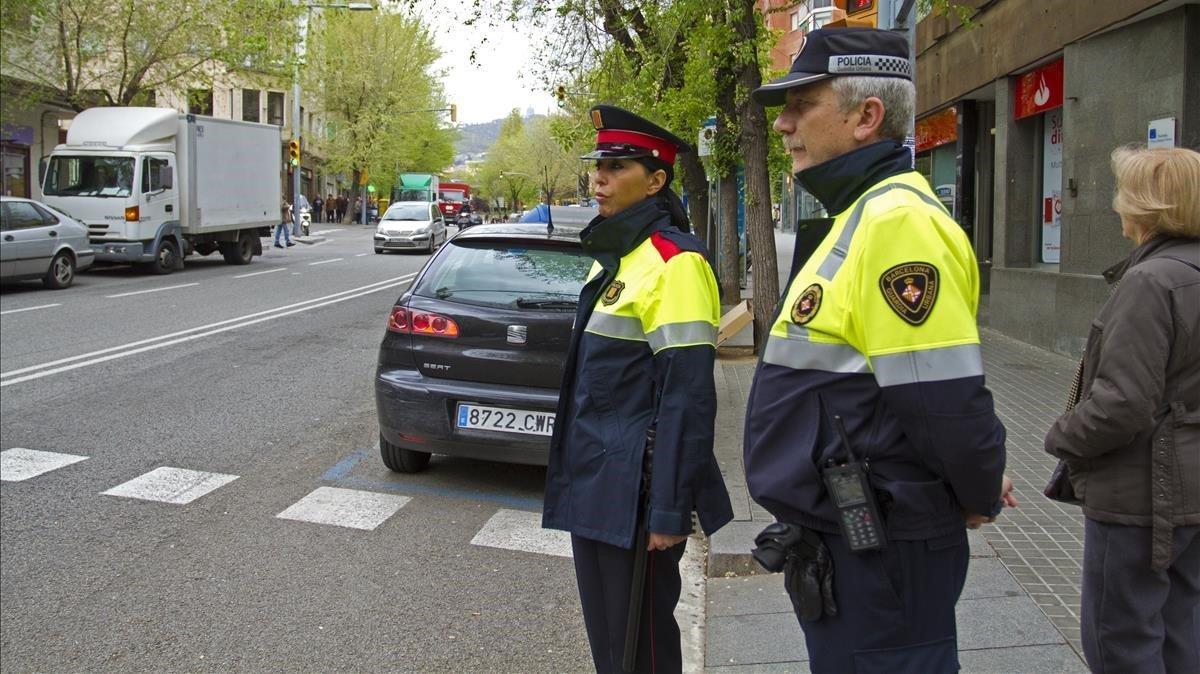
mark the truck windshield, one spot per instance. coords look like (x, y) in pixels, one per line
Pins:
(453, 196)
(85, 176)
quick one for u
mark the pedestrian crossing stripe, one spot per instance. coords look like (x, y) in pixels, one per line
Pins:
(18, 464)
(171, 485)
(522, 530)
(350, 508)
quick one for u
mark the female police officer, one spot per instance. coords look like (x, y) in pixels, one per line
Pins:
(633, 437)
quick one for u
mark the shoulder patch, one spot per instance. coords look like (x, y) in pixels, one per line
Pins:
(612, 293)
(806, 306)
(666, 247)
(910, 289)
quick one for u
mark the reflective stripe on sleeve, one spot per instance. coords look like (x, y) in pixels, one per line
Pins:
(805, 355)
(834, 259)
(692, 333)
(910, 367)
(619, 327)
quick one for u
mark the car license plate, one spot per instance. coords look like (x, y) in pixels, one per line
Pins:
(503, 419)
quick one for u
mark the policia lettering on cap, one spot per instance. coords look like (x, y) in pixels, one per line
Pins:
(869, 433)
(631, 456)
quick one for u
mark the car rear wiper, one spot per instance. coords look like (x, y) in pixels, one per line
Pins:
(546, 304)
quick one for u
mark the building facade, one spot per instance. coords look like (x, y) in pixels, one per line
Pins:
(1017, 115)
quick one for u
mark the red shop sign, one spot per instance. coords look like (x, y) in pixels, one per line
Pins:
(937, 129)
(1040, 90)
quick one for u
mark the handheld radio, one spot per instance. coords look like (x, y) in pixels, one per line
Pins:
(858, 511)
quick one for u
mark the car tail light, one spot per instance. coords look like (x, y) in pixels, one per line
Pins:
(133, 214)
(405, 321)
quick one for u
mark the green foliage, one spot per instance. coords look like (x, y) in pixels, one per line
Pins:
(532, 160)
(114, 52)
(374, 72)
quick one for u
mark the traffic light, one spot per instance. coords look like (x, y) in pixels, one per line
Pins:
(561, 94)
(453, 113)
(294, 152)
(857, 6)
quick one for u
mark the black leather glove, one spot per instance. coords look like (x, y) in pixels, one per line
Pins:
(808, 578)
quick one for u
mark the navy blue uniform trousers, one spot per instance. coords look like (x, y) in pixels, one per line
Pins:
(895, 608)
(604, 573)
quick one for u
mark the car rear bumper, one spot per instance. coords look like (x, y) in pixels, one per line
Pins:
(417, 412)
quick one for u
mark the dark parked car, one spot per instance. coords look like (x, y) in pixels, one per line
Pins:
(472, 358)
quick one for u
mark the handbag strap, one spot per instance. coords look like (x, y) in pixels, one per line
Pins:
(1076, 390)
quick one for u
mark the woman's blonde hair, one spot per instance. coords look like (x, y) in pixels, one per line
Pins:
(1159, 189)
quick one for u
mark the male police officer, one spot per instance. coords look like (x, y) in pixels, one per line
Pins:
(875, 346)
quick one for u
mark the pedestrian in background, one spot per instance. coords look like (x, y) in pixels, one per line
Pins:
(1132, 441)
(331, 208)
(285, 223)
(632, 452)
(318, 209)
(869, 432)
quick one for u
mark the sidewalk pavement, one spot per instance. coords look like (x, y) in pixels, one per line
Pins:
(1019, 611)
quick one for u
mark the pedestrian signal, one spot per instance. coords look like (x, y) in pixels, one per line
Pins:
(856, 6)
(294, 152)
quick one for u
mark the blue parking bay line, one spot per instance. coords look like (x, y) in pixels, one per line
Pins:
(339, 474)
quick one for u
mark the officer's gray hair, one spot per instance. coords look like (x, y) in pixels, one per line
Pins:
(899, 98)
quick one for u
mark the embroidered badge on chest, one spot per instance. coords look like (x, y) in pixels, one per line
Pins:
(807, 304)
(612, 293)
(910, 290)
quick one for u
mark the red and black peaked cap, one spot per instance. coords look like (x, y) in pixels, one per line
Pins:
(620, 134)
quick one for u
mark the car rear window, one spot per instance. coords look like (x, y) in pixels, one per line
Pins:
(507, 275)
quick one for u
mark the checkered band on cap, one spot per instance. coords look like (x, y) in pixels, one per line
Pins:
(870, 64)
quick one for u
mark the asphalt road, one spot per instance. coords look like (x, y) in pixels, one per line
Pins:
(263, 372)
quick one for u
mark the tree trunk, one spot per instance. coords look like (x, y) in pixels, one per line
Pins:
(695, 184)
(752, 143)
(730, 268)
(726, 165)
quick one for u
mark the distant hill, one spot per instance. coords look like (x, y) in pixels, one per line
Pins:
(475, 139)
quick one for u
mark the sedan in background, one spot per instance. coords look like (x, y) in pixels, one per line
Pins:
(410, 225)
(473, 354)
(39, 242)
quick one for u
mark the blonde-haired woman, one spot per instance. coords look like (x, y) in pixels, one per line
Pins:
(1132, 443)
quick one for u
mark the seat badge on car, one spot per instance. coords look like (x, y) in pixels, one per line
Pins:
(518, 334)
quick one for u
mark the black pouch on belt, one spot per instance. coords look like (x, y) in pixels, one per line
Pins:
(806, 564)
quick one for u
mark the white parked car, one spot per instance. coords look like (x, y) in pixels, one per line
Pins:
(408, 225)
(39, 242)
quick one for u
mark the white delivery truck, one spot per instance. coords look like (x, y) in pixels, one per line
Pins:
(154, 185)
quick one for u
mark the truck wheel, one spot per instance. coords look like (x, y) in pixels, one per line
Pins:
(166, 258)
(240, 251)
(402, 460)
(61, 272)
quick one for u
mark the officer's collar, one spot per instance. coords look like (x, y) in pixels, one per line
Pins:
(838, 182)
(613, 237)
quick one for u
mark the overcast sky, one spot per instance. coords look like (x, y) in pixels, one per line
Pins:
(501, 78)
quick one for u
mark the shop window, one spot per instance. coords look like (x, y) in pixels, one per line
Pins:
(275, 108)
(250, 102)
(15, 162)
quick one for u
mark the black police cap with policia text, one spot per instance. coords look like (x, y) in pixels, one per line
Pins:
(620, 134)
(830, 52)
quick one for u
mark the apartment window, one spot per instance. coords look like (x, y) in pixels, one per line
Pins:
(817, 4)
(275, 108)
(200, 101)
(250, 98)
(795, 20)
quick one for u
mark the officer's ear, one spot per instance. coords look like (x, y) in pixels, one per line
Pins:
(870, 118)
(658, 180)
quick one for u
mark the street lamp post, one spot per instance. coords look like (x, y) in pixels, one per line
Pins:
(303, 20)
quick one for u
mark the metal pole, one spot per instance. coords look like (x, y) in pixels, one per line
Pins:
(303, 19)
(905, 22)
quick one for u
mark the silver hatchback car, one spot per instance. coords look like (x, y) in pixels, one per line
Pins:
(38, 242)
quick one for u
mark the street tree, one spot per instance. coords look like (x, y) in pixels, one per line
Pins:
(383, 95)
(117, 52)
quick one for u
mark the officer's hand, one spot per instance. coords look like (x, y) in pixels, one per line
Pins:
(974, 521)
(1006, 490)
(663, 541)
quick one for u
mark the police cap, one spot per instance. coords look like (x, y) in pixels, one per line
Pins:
(830, 52)
(620, 134)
